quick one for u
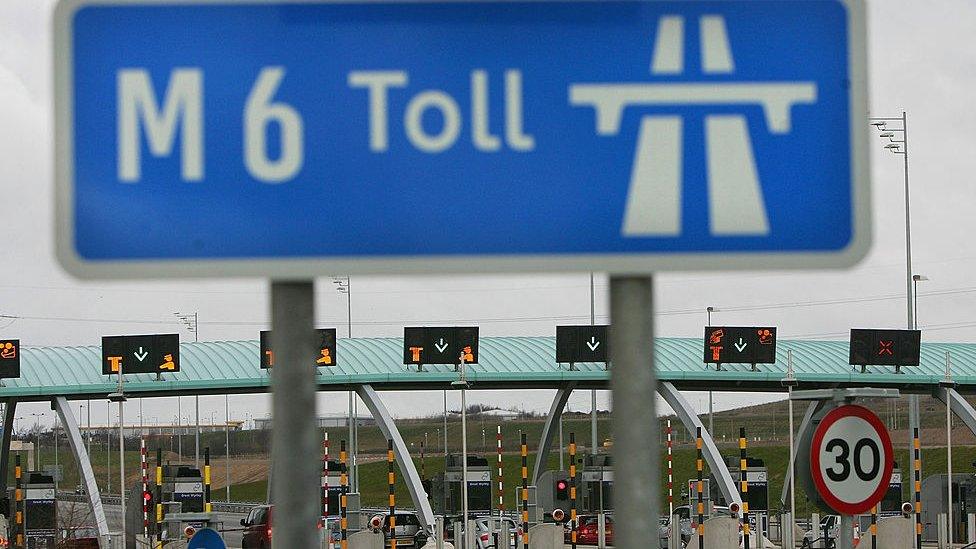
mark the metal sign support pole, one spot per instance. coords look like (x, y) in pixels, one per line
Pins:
(846, 534)
(634, 386)
(295, 479)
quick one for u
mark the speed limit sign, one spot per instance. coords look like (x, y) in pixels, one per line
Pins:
(851, 459)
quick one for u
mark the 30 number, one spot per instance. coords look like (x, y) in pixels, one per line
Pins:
(843, 459)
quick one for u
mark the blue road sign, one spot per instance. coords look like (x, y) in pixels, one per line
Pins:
(302, 138)
(206, 538)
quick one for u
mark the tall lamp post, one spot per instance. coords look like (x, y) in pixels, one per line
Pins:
(343, 286)
(893, 133)
(192, 323)
(711, 402)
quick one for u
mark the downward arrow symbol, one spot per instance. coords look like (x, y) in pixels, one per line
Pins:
(141, 355)
(593, 343)
(740, 345)
(441, 345)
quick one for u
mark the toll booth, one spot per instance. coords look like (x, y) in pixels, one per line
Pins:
(335, 486)
(552, 492)
(596, 487)
(447, 486)
(758, 496)
(934, 503)
(183, 484)
(40, 511)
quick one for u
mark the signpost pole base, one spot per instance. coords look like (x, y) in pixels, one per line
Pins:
(845, 536)
(295, 478)
(634, 386)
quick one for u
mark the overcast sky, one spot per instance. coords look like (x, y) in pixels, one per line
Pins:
(918, 62)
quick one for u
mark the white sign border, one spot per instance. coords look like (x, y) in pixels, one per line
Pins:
(304, 268)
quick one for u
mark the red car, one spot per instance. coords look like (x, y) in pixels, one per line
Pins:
(588, 532)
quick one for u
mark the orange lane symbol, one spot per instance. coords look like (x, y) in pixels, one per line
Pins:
(714, 341)
(765, 336)
(415, 353)
(467, 355)
(326, 357)
(270, 354)
(168, 363)
(8, 350)
(115, 363)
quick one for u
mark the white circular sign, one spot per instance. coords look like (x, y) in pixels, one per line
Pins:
(851, 459)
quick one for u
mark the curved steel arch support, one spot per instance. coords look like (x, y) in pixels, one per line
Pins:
(545, 442)
(959, 406)
(84, 463)
(684, 411)
(410, 475)
(804, 427)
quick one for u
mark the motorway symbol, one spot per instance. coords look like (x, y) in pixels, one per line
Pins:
(326, 341)
(437, 345)
(740, 345)
(885, 347)
(141, 354)
(9, 358)
(633, 136)
(586, 343)
(851, 459)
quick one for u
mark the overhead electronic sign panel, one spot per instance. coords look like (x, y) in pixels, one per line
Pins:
(440, 345)
(326, 338)
(141, 354)
(441, 136)
(740, 344)
(9, 358)
(586, 343)
(885, 347)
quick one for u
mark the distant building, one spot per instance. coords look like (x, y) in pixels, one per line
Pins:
(135, 430)
(329, 421)
(499, 415)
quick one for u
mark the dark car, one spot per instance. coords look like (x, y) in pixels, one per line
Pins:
(257, 528)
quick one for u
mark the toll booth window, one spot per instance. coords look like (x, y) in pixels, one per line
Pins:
(40, 515)
(759, 497)
(892, 500)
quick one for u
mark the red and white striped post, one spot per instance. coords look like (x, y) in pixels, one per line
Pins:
(501, 481)
(670, 474)
(145, 486)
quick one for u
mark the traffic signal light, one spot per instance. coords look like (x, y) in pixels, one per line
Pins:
(561, 490)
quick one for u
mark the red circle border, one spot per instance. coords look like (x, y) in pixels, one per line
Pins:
(832, 417)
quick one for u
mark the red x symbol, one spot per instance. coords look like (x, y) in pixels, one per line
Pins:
(886, 348)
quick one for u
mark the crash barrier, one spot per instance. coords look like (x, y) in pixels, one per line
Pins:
(366, 539)
(718, 533)
(896, 533)
(546, 536)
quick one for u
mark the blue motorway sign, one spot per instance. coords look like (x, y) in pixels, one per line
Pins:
(197, 137)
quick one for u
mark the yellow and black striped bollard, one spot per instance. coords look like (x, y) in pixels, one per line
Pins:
(19, 501)
(159, 498)
(701, 483)
(572, 489)
(391, 479)
(525, 493)
(207, 506)
(744, 488)
(917, 485)
(344, 484)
